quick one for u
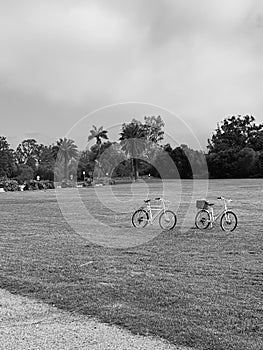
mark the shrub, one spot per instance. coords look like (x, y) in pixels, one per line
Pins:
(9, 184)
(46, 184)
(30, 185)
(38, 185)
(25, 173)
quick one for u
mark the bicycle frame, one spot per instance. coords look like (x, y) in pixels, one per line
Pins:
(215, 217)
(158, 209)
(206, 216)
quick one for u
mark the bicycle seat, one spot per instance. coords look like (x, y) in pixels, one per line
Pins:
(147, 200)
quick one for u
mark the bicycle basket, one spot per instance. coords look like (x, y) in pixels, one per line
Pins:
(201, 204)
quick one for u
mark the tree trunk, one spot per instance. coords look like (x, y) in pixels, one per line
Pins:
(135, 169)
(66, 168)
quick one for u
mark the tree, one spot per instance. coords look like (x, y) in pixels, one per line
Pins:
(25, 172)
(177, 157)
(133, 139)
(234, 149)
(86, 164)
(139, 141)
(7, 163)
(197, 162)
(153, 126)
(27, 152)
(110, 158)
(236, 133)
(47, 159)
(223, 164)
(98, 134)
(67, 151)
(246, 161)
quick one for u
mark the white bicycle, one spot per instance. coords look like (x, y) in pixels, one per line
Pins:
(205, 217)
(148, 214)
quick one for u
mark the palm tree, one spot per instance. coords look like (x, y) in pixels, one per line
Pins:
(133, 138)
(98, 134)
(67, 151)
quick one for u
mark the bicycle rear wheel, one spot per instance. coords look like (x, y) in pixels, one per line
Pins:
(167, 220)
(140, 218)
(202, 219)
(228, 221)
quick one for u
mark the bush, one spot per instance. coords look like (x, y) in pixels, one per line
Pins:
(9, 184)
(47, 184)
(30, 185)
(38, 185)
(25, 173)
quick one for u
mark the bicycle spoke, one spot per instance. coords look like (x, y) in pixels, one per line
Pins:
(140, 218)
(167, 220)
(228, 221)
(202, 220)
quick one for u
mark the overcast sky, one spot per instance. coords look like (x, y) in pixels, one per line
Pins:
(201, 60)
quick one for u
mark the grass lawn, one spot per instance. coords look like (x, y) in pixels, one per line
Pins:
(197, 288)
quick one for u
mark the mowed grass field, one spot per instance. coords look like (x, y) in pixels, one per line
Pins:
(76, 249)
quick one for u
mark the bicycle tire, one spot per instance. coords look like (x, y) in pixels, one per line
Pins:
(165, 222)
(202, 219)
(227, 219)
(140, 218)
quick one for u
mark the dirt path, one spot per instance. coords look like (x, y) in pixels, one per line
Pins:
(28, 324)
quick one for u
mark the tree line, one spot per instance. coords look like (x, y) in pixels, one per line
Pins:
(235, 150)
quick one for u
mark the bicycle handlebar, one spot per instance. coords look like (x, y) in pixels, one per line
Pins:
(224, 199)
(157, 199)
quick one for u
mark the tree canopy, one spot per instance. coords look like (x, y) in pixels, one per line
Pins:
(7, 164)
(67, 151)
(137, 138)
(98, 134)
(235, 148)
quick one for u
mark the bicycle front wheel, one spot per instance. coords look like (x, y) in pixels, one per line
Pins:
(167, 220)
(140, 218)
(228, 221)
(202, 219)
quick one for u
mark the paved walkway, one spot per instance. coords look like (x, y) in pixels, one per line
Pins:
(29, 324)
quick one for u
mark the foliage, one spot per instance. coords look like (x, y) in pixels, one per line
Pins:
(153, 126)
(38, 185)
(133, 142)
(9, 184)
(25, 172)
(197, 162)
(173, 163)
(260, 163)
(86, 164)
(122, 170)
(67, 151)
(46, 163)
(7, 163)
(236, 133)
(47, 184)
(109, 159)
(98, 134)
(27, 153)
(138, 140)
(246, 161)
(235, 148)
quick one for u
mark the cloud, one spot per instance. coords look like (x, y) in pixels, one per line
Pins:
(196, 58)
(62, 52)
